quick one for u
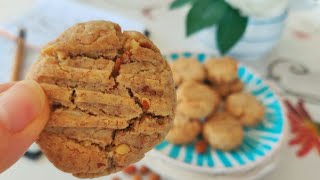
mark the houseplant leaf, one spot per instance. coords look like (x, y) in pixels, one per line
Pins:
(230, 30)
(178, 3)
(205, 13)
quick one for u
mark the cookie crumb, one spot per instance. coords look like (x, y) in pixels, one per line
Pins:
(144, 170)
(201, 147)
(145, 103)
(131, 169)
(137, 177)
(116, 178)
(154, 176)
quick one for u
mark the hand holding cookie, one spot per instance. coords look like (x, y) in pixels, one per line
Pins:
(24, 111)
(111, 98)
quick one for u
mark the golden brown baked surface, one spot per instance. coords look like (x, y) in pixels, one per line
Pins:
(197, 100)
(184, 130)
(184, 69)
(222, 131)
(184, 134)
(228, 88)
(246, 108)
(221, 70)
(112, 98)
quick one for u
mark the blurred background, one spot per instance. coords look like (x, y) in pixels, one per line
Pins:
(278, 39)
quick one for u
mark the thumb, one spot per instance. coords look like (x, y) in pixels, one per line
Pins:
(24, 112)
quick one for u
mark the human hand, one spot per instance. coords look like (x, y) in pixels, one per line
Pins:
(24, 112)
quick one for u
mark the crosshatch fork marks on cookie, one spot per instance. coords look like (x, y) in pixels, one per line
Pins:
(99, 79)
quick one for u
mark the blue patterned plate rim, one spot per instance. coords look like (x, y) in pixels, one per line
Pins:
(232, 162)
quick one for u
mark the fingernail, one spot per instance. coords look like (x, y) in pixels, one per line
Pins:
(21, 104)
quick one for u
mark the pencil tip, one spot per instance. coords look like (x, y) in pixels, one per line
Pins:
(22, 33)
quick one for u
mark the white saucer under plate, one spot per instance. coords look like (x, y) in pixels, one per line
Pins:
(260, 143)
(169, 171)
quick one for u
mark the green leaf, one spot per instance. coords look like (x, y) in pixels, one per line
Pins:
(205, 13)
(179, 3)
(230, 30)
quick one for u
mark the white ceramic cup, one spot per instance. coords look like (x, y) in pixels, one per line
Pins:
(261, 35)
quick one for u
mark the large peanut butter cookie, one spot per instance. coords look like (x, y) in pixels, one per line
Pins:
(112, 98)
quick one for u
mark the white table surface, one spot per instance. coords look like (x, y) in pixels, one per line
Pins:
(167, 31)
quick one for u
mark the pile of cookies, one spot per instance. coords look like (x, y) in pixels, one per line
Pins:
(210, 102)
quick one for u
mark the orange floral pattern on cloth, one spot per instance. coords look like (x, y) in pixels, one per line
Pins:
(306, 131)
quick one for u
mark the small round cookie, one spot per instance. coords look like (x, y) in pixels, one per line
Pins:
(222, 131)
(229, 88)
(184, 69)
(221, 70)
(112, 98)
(184, 131)
(197, 100)
(246, 107)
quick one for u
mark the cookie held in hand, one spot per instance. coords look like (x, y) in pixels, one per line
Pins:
(112, 98)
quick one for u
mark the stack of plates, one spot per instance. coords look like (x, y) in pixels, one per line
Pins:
(254, 158)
